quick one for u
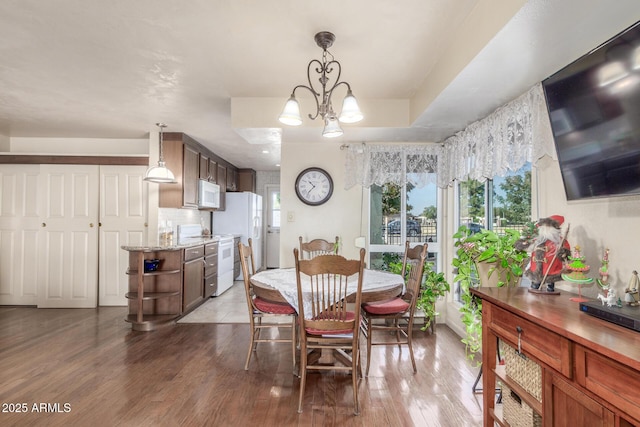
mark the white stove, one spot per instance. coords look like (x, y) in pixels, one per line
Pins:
(225, 263)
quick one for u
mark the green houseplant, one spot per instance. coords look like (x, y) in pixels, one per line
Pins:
(434, 286)
(485, 258)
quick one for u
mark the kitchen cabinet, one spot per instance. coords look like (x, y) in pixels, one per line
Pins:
(182, 158)
(213, 171)
(154, 296)
(208, 168)
(222, 182)
(247, 180)
(232, 179)
(193, 277)
(210, 269)
(589, 368)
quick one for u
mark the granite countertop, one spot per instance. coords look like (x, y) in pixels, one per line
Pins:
(178, 245)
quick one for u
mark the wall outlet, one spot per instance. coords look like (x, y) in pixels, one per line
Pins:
(291, 217)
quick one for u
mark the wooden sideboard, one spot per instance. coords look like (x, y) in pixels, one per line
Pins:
(590, 368)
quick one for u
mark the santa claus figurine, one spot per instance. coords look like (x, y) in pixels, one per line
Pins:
(549, 254)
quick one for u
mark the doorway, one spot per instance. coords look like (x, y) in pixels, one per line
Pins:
(272, 258)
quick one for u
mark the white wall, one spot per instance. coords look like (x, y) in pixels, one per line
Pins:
(340, 216)
(80, 146)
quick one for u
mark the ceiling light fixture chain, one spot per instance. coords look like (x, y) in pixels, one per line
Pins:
(350, 111)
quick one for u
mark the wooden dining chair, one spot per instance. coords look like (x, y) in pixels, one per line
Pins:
(396, 314)
(262, 313)
(315, 247)
(325, 322)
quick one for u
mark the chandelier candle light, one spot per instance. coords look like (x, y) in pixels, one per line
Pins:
(160, 174)
(350, 111)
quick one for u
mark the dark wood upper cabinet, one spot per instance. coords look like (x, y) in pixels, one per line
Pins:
(190, 161)
(222, 182)
(247, 180)
(191, 174)
(204, 167)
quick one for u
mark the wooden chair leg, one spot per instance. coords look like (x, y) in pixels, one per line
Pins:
(294, 344)
(252, 344)
(369, 333)
(354, 379)
(303, 375)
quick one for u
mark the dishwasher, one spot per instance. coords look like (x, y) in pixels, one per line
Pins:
(225, 263)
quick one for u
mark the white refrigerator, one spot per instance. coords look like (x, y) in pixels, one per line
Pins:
(242, 216)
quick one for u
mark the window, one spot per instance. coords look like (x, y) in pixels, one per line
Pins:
(401, 213)
(497, 204)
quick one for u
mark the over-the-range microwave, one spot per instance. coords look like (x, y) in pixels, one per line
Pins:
(208, 195)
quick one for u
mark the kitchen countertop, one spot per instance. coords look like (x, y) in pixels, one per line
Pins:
(181, 244)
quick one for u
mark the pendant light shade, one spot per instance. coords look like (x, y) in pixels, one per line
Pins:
(160, 173)
(332, 127)
(291, 113)
(350, 111)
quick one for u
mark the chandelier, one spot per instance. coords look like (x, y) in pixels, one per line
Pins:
(350, 111)
(160, 174)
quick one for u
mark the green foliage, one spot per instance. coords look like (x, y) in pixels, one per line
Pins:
(517, 199)
(430, 212)
(392, 198)
(434, 285)
(472, 198)
(490, 247)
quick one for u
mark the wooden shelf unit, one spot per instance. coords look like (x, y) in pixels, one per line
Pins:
(155, 297)
(590, 367)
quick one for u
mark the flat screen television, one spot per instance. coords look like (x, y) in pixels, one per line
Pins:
(594, 107)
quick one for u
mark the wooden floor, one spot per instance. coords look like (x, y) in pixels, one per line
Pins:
(85, 367)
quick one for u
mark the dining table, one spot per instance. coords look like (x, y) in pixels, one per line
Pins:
(280, 285)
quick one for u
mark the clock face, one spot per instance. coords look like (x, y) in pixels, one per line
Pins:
(314, 186)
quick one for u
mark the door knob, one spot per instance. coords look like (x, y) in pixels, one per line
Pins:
(91, 224)
(44, 224)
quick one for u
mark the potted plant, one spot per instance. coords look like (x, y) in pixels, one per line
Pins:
(434, 286)
(485, 258)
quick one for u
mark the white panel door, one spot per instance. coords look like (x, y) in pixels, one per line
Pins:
(19, 232)
(68, 250)
(123, 221)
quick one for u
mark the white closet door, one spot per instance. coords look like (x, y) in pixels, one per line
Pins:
(19, 232)
(123, 221)
(68, 249)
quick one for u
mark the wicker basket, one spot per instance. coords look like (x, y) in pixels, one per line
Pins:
(524, 371)
(516, 412)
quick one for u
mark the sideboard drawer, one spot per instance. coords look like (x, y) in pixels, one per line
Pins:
(547, 347)
(609, 379)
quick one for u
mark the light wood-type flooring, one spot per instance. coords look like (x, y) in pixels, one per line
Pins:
(85, 367)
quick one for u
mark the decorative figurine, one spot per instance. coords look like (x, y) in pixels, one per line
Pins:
(610, 299)
(631, 292)
(577, 269)
(603, 281)
(550, 251)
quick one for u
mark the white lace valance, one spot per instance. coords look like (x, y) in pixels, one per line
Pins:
(504, 141)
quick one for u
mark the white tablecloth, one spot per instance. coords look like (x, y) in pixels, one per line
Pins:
(284, 280)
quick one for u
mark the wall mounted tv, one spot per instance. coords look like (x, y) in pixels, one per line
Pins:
(594, 107)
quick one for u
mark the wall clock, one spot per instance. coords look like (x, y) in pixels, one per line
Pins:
(314, 186)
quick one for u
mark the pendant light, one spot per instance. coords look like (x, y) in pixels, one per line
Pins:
(322, 94)
(160, 174)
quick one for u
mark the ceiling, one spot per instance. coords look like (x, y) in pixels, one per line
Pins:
(221, 70)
